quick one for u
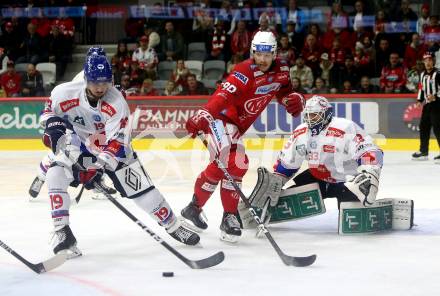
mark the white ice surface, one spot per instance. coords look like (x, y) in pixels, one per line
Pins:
(120, 259)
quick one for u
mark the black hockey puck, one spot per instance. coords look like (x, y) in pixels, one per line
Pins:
(168, 274)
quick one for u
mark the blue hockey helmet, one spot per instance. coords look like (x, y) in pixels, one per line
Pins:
(97, 69)
(96, 50)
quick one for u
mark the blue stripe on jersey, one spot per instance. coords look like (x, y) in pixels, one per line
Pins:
(280, 169)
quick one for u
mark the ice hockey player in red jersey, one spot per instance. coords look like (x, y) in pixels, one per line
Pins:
(231, 110)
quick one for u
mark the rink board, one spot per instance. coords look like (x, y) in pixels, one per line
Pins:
(195, 144)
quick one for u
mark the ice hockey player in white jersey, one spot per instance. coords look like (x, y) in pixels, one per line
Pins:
(341, 157)
(45, 163)
(86, 127)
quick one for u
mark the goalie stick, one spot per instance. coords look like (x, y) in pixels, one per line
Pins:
(195, 264)
(288, 260)
(41, 267)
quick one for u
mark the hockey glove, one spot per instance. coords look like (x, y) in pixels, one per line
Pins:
(199, 122)
(55, 129)
(294, 103)
(89, 177)
(365, 184)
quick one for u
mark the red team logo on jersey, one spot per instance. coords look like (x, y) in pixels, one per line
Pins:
(69, 104)
(335, 132)
(254, 106)
(107, 108)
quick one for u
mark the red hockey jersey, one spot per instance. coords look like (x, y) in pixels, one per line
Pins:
(247, 91)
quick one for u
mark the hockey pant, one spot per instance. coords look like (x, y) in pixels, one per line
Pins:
(130, 179)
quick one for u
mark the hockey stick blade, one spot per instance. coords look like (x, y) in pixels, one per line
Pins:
(195, 264)
(78, 197)
(42, 267)
(206, 262)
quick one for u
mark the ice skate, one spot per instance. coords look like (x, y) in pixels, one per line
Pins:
(182, 233)
(230, 228)
(196, 215)
(65, 241)
(420, 156)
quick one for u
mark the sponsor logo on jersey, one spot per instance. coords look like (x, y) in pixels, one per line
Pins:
(260, 80)
(96, 117)
(301, 149)
(298, 132)
(258, 73)
(107, 108)
(364, 146)
(265, 89)
(270, 79)
(335, 132)
(123, 122)
(329, 148)
(313, 145)
(283, 76)
(240, 76)
(284, 68)
(359, 139)
(79, 120)
(69, 104)
(253, 106)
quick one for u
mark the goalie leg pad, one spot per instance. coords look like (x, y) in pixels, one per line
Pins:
(382, 215)
(268, 187)
(294, 203)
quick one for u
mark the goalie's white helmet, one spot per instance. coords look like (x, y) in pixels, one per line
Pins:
(264, 42)
(317, 114)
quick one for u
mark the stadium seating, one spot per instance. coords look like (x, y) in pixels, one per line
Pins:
(195, 67)
(48, 70)
(165, 69)
(196, 51)
(213, 69)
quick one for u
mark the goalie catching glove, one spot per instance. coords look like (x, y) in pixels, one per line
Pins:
(365, 184)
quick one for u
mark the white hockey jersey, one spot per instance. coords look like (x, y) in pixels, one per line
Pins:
(96, 127)
(331, 155)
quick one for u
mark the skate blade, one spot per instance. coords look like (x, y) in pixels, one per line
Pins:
(422, 158)
(72, 253)
(99, 197)
(229, 238)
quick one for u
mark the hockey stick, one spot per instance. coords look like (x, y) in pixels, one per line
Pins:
(78, 197)
(41, 267)
(195, 264)
(288, 260)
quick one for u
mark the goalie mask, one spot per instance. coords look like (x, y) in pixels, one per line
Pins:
(317, 114)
